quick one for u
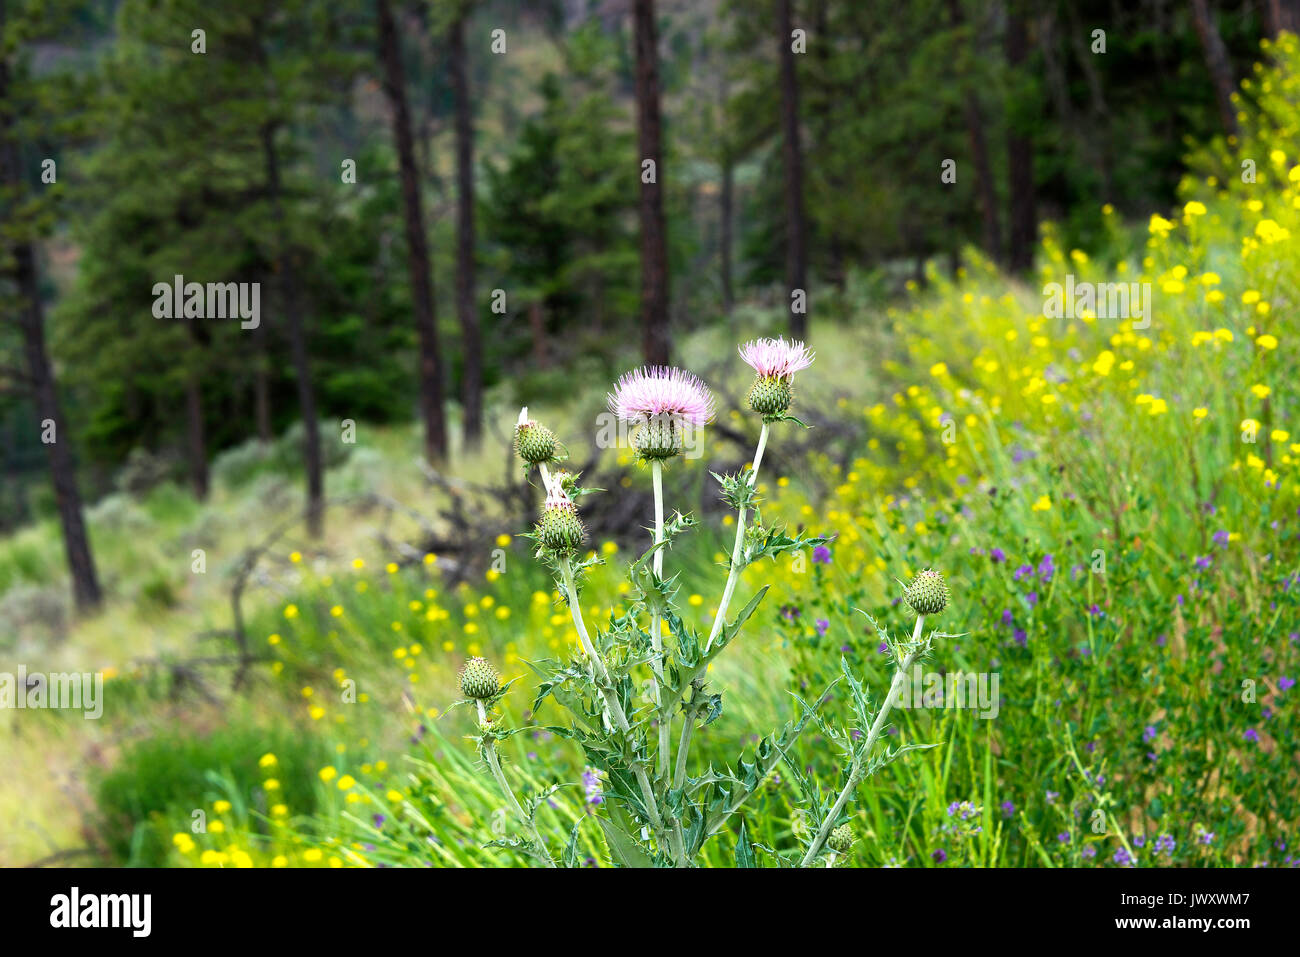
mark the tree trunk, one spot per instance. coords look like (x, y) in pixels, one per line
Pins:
(654, 240)
(315, 514)
(724, 239)
(262, 388)
(471, 342)
(1216, 62)
(796, 254)
(417, 249)
(31, 320)
(1023, 229)
(63, 475)
(984, 186)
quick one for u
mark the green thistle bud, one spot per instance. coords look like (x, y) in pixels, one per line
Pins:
(770, 395)
(841, 839)
(534, 442)
(560, 528)
(927, 593)
(658, 438)
(479, 680)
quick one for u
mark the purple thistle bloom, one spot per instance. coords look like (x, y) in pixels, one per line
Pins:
(997, 555)
(822, 554)
(776, 358)
(661, 390)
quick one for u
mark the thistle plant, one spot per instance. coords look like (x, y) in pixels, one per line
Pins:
(656, 808)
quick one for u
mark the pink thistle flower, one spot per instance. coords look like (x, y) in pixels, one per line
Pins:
(776, 358)
(655, 391)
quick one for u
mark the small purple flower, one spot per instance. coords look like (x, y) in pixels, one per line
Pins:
(821, 624)
(1139, 840)
(1064, 837)
(1052, 796)
(1024, 571)
(1008, 809)
(1046, 568)
(1123, 858)
(1202, 562)
(822, 554)
(1089, 852)
(1021, 637)
(591, 784)
(1207, 837)
(1285, 684)
(1007, 617)
(997, 555)
(940, 856)
(379, 820)
(1166, 843)
(883, 648)
(1095, 610)
(1221, 538)
(1032, 598)
(1250, 734)
(1149, 733)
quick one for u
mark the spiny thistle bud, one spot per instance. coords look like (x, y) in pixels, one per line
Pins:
(534, 442)
(560, 528)
(927, 593)
(841, 839)
(658, 437)
(770, 395)
(479, 680)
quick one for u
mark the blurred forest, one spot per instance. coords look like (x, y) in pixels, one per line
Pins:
(450, 205)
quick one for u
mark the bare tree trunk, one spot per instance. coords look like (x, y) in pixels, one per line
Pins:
(1216, 62)
(980, 157)
(654, 240)
(1023, 229)
(724, 239)
(537, 327)
(471, 341)
(796, 253)
(262, 388)
(288, 274)
(31, 320)
(417, 249)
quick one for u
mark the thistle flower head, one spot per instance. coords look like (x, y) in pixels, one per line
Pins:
(841, 839)
(927, 593)
(534, 442)
(560, 528)
(654, 391)
(660, 401)
(774, 362)
(776, 358)
(479, 680)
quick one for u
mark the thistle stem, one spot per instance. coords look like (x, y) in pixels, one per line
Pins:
(855, 768)
(546, 477)
(664, 756)
(606, 688)
(494, 764)
(734, 574)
